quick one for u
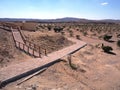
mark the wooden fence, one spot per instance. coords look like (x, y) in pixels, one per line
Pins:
(29, 47)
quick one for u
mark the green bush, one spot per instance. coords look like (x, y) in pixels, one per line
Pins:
(49, 28)
(58, 29)
(118, 43)
(107, 48)
(107, 37)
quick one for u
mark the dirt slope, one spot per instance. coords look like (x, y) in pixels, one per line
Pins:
(8, 52)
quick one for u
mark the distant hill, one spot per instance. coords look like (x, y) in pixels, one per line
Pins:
(66, 19)
(70, 19)
(16, 19)
(110, 20)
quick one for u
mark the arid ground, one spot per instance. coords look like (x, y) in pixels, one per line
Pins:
(94, 68)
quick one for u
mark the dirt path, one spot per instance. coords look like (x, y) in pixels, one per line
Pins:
(17, 36)
(15, 70)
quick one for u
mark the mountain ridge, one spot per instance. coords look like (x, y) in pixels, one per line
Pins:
(65, 19)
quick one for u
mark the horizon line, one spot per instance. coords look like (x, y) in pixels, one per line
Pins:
(55, 18)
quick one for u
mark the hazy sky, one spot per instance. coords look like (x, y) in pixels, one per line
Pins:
(51, 9)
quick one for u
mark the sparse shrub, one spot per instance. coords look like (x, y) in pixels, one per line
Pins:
(58, 29)
(73, 66)
(78, 37)
(118, 36)
(4, 52)
(97, 45)
(49, 28)
(37, 28)
(62, 33)
(82, 70)
(118, 43)
(71, 33)
(84, 33)
(107, 49)
(94, 34)
(107, 37)
(42, 27)
(64, 26)
(100, 37)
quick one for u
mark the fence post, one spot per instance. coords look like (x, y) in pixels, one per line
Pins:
(29, 44)
(1, 85)
(39, 52)
(19, 44)
(28, 49)
(15, 43)
(33, 52)
(23, 46)
(69, 58)
(33, 49)
(45, 52)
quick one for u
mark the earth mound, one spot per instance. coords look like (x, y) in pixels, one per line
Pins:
(51, 43)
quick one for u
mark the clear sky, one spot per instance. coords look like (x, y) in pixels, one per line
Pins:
(51, 9)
